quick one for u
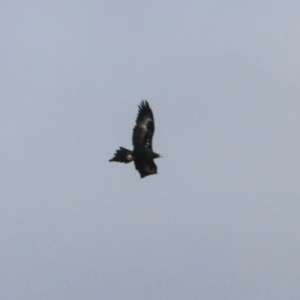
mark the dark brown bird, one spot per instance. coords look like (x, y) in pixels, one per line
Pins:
(142, 154)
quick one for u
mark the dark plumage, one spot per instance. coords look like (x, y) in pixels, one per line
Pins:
(142, 154)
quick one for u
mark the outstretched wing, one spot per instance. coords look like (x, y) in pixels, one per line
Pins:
(145, 167)
(144, 128)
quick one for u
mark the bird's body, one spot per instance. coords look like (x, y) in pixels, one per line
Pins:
(142, 154)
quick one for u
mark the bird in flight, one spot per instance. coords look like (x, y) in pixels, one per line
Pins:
(142, 154)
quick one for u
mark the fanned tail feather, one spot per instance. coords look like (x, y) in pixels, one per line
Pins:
(123, 155)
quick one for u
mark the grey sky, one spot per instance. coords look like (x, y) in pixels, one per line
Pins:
(221, 218)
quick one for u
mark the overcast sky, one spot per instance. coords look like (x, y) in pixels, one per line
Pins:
(220, 220)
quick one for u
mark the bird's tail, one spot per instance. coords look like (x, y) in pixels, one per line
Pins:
(123, 155)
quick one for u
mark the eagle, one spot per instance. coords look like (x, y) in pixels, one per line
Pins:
(142, 154)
